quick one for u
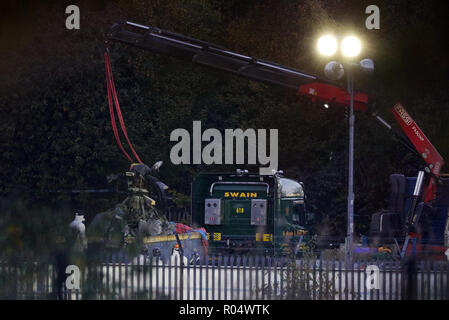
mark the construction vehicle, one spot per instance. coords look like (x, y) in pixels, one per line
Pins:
(392, 225)
(422, 227)
(248, 213)
(416, 212)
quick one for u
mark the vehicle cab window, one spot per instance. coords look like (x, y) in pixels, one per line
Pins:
(291, 188)
(292, 196)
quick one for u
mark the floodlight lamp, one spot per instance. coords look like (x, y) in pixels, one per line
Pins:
(351, 46)
(334, 70)
(327, 45)
(367, 65)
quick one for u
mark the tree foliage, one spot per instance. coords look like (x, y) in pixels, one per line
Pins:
(55, 130)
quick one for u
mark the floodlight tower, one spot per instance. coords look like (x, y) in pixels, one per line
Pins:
(350, 49)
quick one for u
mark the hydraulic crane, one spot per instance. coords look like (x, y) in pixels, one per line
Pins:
(305, 84)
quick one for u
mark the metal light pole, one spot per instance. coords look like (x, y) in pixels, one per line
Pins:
(350, 222)
(351, 46)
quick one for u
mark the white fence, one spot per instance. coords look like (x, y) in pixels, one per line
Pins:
(223, 278)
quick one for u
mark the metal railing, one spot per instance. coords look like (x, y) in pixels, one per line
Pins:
(226, 278)
(182, 215)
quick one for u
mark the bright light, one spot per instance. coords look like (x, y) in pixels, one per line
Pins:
(351, 46)
(327, 45)
(326, 106)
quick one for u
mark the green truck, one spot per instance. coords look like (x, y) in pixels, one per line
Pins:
(251, 213)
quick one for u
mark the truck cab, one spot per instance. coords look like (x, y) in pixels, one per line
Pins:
(245, 212)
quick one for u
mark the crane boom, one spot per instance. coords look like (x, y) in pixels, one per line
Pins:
(208, 54)
(211, 55)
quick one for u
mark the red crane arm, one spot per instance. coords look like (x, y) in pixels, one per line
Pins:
(424, 147)
(419, 139)
(328, 93)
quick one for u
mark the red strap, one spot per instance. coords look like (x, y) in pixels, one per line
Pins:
(119, 113)
(111, 110)
(113, 99)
